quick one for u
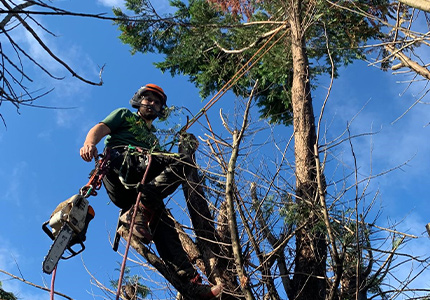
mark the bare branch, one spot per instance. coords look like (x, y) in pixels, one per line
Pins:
(34, 285)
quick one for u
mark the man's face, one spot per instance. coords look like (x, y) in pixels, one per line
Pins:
(151, 106)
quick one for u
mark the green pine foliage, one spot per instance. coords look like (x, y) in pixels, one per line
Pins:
(5, 295)
(194, 38)
(140, 290)
(137, 128)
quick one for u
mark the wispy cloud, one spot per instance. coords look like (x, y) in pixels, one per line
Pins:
(65, 91)
(7, 254)
(391, 144)
(13, 182)
(162, 7)
(111, 3)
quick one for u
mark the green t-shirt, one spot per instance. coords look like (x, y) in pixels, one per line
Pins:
(127, 128)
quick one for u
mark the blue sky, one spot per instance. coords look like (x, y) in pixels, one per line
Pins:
(41, 167)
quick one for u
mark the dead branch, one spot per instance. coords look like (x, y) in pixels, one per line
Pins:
(253, 44)
(34, 285)
(46, 48)
(230, 198)
(417, 68)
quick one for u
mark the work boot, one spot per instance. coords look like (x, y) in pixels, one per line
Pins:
(142, 221)
(203, 291)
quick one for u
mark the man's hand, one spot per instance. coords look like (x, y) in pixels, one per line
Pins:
(88, 152)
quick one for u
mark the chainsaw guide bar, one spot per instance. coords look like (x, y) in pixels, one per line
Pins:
(57, 249)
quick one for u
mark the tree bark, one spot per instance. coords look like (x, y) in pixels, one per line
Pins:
(309, 274)
(420, 4)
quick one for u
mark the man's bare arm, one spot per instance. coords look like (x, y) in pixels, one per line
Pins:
(94, 136)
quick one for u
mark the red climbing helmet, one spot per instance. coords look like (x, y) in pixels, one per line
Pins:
(135, 101)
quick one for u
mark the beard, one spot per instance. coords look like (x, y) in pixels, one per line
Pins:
(148, 112)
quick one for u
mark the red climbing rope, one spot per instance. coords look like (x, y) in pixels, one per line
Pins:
(130, 234)
(54, 272)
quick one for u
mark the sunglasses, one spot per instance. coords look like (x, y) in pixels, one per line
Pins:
(152, 99)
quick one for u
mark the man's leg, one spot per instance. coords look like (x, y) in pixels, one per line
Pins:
(169, 247)
(166, 173)
(165, 237)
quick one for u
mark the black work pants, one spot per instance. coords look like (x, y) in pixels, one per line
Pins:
(165, 173)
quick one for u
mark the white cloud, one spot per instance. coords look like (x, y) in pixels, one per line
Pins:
(7, 254)
(65, 91)
(64, 118)
(393, 144)
(112, 3)
(160, 6)
(65, 49)
(13, 183)
(45, 135)
(32, 47)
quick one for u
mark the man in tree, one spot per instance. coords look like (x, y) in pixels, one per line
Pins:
(134, 152)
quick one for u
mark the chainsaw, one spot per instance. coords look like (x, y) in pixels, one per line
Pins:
(69, 224)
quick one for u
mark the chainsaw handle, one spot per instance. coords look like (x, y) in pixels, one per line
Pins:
(73, 252)
(47, 230)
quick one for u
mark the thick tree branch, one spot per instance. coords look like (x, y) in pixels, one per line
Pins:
(420, 4)
(414, 66)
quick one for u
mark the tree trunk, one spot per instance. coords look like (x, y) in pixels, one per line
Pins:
(309, 273)
(217, 263)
